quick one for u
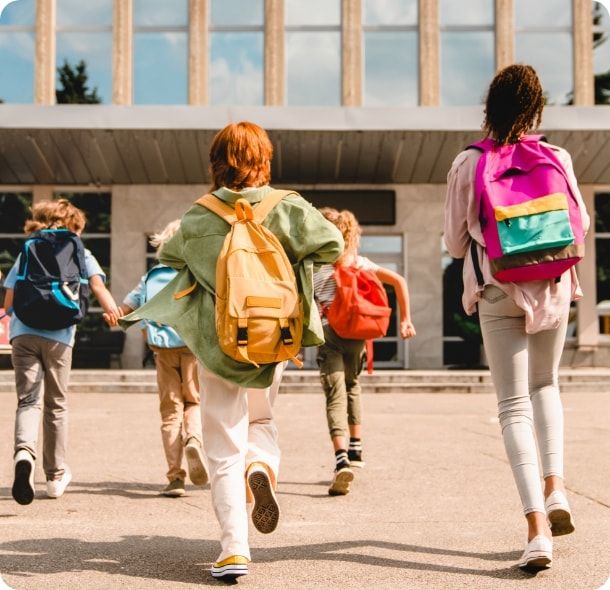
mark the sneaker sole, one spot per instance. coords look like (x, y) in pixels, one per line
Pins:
(22, 491)
(536, 563)
(266, 511)
(561, 522)
(173, 494)
(229, 572)
(197, 471)
(340, 487)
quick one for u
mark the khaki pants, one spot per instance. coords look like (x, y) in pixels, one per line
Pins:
(238, 430)
(340, 363)
(37, 360)
(178, 403)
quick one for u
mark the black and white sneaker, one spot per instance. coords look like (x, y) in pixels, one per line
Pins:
(354, 452)
(343, 475)
(23, 486)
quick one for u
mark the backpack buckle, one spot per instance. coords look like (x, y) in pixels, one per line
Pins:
(242, 332)
(285, 333)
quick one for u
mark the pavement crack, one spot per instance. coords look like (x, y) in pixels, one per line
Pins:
(583, 495)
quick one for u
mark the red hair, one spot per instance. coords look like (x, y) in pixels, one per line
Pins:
(240, 156)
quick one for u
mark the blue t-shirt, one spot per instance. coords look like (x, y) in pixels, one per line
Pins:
(65, 335)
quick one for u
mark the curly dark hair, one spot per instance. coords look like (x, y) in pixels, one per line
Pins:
(514, 104)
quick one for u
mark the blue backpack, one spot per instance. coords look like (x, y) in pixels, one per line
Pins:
(52, 288)
(159, 335)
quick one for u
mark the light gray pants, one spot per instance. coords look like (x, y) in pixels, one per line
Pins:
(525, 371)
(37, 360)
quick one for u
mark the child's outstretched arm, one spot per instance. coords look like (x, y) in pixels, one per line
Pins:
(111, 310)
(407, 329)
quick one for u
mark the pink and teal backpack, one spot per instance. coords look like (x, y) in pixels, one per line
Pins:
(530, 217)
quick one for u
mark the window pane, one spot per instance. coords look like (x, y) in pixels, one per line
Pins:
(601, 54)
(549, 13)
(17, 71)
(95, 49)
(313, 68)
(380, 244)
(160, 68)
(160, 12)
(96, 206)
(91, 12)
(602, 255)
(237, 68)
(467, 66)
(18, 13)
(14, 210)
(390, 12)
(479, 12)
(236, 12)
(390, 69)
(544, 51)
(313, 12)
(602, 213)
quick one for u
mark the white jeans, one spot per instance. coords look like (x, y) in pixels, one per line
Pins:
(525, 371)
(238, 430)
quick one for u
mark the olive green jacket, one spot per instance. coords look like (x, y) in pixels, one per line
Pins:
(309, 241)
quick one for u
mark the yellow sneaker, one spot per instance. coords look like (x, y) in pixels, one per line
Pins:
(231, 567)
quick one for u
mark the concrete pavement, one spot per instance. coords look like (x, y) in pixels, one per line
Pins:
(434, 508)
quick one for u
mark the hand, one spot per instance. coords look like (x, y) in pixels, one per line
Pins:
(407, 329)
(111, 319)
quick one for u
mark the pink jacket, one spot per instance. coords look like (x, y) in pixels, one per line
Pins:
(544, 302)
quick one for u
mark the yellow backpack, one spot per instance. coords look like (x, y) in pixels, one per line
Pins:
(259, 314)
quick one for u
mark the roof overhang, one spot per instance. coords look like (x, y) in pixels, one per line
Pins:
(105, 145)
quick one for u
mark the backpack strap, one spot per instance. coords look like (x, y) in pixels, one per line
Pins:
(269, 202)
(219, 207)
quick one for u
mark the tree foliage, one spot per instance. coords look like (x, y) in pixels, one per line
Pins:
(73, 85)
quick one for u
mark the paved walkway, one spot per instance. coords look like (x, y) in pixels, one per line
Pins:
(434, 508)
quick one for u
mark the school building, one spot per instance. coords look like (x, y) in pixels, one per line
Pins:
(367, 103)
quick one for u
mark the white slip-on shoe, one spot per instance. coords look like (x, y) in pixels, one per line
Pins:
(559, 514)
(538, 554)
(57, 487)
(23, 484)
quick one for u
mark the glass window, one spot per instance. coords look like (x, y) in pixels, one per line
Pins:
(602, 259)
(479, 13)
(236, 69)
(151, 13)
(236, 12)
(160, 73)
(544, 40)
(390, 53)
(390, 12)
(14, 210)
(17, 51)
(601, 53)
(467, 66)
(76, 13)
(313, 13)
(313, 68)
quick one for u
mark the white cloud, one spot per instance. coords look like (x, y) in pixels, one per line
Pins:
(392, 12)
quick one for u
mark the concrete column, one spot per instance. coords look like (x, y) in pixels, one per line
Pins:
(505, 33)
(351, 53)
(41, 192)
(198, 51)
(122, 52)
(588, 324)
(44, 70)
(429, 53)
(584, 88)
(274, 52)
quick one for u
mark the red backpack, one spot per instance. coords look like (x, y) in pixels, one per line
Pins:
(360, 309)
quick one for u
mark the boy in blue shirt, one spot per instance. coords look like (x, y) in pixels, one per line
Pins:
(46, 355)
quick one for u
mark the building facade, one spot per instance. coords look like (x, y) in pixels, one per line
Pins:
(367, 102)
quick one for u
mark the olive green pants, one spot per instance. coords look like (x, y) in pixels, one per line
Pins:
(340, 363)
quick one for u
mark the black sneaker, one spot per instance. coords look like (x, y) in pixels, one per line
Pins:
(355, 459)
(23, 486)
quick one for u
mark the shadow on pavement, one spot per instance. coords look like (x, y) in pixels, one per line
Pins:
(175, 559)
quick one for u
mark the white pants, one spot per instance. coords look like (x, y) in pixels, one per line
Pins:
(238, 430)
(525, 371)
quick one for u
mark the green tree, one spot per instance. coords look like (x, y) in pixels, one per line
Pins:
(73, 87)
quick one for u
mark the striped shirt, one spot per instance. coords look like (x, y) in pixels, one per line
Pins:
(325, 286)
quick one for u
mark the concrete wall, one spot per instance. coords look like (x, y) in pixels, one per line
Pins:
(138, 211)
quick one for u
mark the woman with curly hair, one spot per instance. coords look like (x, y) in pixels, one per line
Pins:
(523, 323)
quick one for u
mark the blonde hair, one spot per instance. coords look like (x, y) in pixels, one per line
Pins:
(55, 214)
(349, 227)
(159, 239)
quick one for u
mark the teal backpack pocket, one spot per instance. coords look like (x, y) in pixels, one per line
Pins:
(536, 225)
